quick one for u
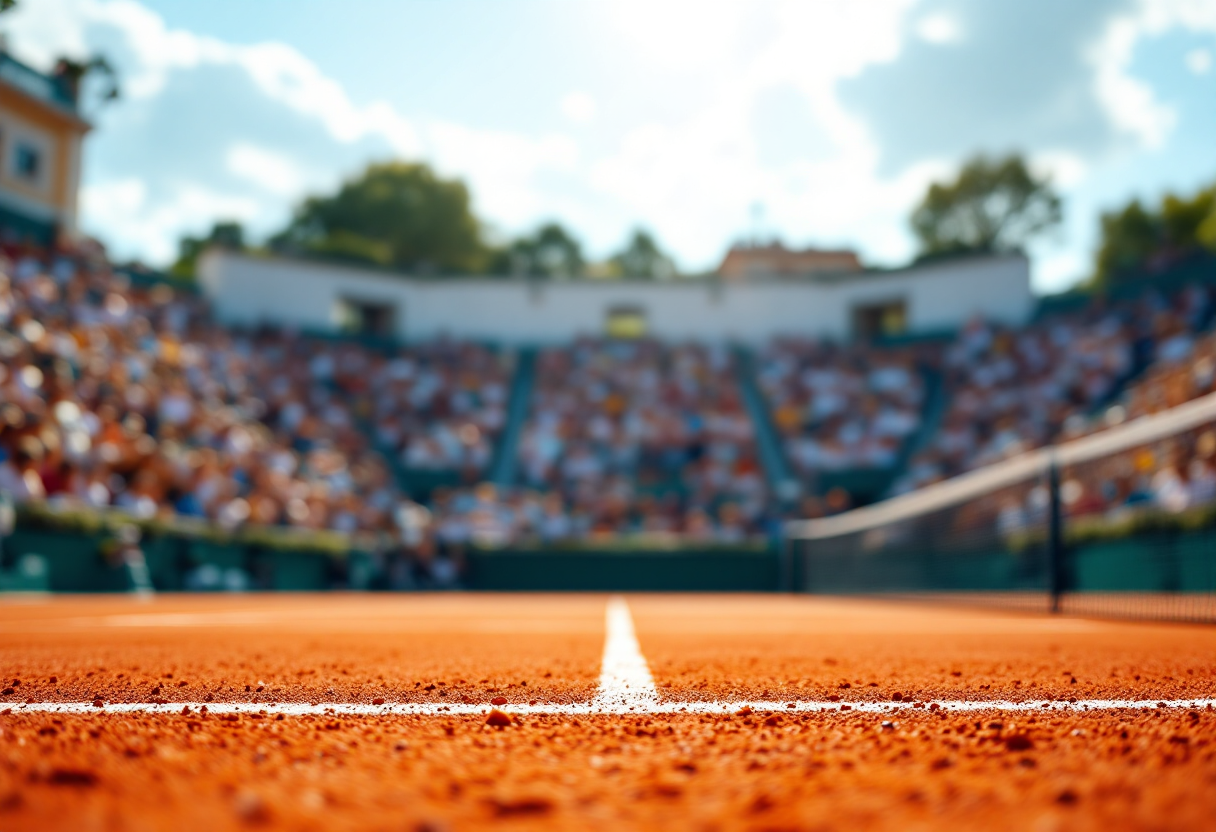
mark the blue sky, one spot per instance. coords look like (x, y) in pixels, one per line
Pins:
(675, 115)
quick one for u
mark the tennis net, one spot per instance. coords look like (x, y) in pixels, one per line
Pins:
(1121, 523)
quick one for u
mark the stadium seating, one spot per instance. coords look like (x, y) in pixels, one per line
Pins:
(644, 437)
(846, 414)
(1016, 390)
(438, 406)
(117, 394)
(1187, 372)
(132, 397)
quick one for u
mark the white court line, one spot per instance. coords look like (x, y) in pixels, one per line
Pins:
(625, 681)
(626, 687)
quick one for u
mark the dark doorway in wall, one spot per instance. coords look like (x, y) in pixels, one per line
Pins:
(361, 317)
(872, 321)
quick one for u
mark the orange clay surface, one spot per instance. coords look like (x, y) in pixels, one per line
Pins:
(784, 648)
(922, 769)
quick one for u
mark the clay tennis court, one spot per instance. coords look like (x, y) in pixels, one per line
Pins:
(700, 712)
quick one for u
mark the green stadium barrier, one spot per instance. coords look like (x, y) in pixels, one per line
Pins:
(1157, 561)
(82, 563)
(164, 556)
(865, 485)
(296, 572)
(75, 562)
(29, 574)
(621, 570)
(362, 570)
(913, 571)
(1181, 562)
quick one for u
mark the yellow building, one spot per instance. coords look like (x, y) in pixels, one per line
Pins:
(41, 133)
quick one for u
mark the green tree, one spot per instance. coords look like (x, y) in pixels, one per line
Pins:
(1184, 221)
(226, 234)
(1206, 232)
(1136, 236)
(993, 205)
(551, 252)
(1130, 236)
(394, 214)
(642, 257)
(71, 74)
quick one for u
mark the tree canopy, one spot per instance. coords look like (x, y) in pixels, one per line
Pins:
(72, 74)
(993, 205)
(551, 252)
(225, 234)
(1136, 237)
(395, 214)
(642, 257)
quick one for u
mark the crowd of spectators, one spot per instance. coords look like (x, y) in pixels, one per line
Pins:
(127, 396)
(438, 406)
(1168, 342)
(640, 436)
(114, 394)
(1014, 390)
(1172, 476)
(1186, 374)
(839, 407)
(120, 394)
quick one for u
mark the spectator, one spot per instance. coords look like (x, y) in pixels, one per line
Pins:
(841, 408)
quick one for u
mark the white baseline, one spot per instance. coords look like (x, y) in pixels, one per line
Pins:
(626, 687)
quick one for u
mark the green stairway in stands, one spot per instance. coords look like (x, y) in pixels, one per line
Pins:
(768, 444)
(502, 469)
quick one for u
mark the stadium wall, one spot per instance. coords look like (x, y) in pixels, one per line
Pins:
(247, 290)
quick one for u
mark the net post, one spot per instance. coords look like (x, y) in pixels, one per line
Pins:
(1055, 534)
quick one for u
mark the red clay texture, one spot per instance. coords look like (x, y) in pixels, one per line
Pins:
(793, 648)
(1124, 770)
(917, 769)
(313, 649)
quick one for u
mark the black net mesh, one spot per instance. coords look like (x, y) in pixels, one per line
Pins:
(1139, 529)
(1120, 524)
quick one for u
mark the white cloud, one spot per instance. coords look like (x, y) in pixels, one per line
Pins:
(1199, 61)
(680, 33)
(500, 164)
(152, 51)
(150, 228)
(278, 70)
(1065, 169)
(694, 179)
(1130, 103)
(939, 29)
(579, 107)
(43, 33)
(690, 174)
(119, 196)
(691, 179)
(1055, 268)
(271, 171)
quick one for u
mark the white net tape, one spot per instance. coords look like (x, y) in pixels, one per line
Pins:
(981, 481)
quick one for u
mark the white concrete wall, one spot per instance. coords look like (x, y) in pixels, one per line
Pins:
(248, 290)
